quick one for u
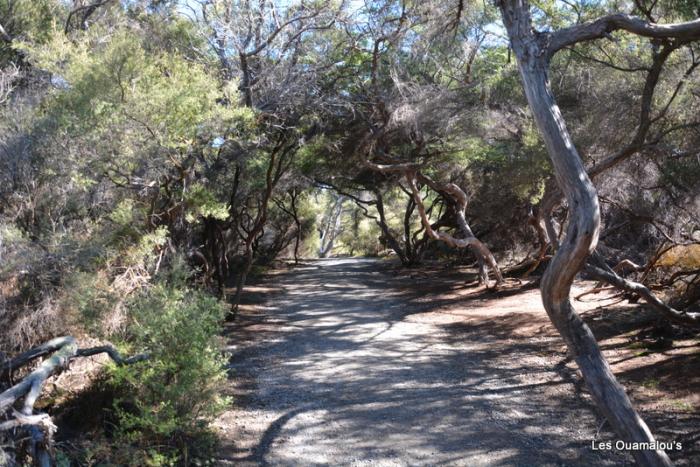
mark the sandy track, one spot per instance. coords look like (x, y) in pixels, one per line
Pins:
(338, 367)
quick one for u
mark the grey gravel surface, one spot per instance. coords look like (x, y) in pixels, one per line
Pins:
(338, 368)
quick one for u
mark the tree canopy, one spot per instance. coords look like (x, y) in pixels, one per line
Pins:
(156, 154)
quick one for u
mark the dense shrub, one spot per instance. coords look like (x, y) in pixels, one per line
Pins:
(163, 404)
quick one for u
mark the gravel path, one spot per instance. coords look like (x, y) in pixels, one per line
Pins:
(338, 368)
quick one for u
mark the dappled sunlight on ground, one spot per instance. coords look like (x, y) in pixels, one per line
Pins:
(351, 362)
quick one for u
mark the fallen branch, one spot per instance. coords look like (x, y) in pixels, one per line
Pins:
(30, 387)
(612, 278)
(40, 427)
(113, 354)
(678, 274)
(42, 420)
(26, 357)
(46, 348)
(626, 264)
(594, 290)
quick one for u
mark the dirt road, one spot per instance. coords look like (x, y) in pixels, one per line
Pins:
(340, 366)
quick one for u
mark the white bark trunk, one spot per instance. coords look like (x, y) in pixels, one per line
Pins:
(331, 228)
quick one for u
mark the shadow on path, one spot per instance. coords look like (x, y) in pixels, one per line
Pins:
(335, 369)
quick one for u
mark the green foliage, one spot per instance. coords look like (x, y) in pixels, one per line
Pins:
(27, 20)
(150, 242)
(177, 391)
(124, 214)
(361, 238)
(497, 76)
(115, 85)
(135, 109)
(681, 173)
(202, 202)
(91, 299)
(313, 154)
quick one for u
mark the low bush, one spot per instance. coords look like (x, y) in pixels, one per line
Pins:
(163, 405)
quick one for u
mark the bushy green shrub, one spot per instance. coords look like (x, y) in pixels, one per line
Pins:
(164, 402)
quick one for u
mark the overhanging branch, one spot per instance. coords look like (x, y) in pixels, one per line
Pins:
(602, 27)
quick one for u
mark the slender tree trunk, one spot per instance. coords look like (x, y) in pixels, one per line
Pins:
(482, 252)
(294, 194)
(245, 86)
(297, 240)
(242, 277)
(386, 232)
(411, 252)
(331, 228)
(276, 167)
(581, 236)
(213, 248)
(249, 253)
(294, 214)
(459, 202)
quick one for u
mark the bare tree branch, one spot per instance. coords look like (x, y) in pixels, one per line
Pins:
(619, 282)
(602, 27)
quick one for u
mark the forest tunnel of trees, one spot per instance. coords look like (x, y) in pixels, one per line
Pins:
(157, 155)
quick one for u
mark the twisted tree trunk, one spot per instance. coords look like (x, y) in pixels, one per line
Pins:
(532, 53)
(450, 191)
(481, 251)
